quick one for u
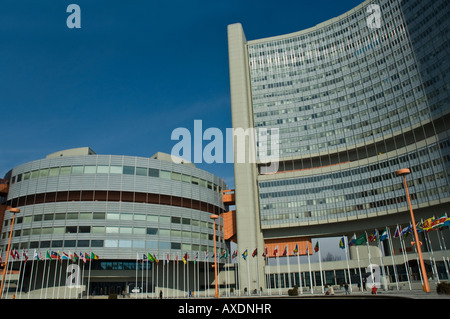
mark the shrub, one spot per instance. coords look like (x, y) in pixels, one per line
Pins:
(294, 291)
(443, 288)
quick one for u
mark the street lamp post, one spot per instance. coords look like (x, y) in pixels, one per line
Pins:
(214, 217)
(426, 287)
(5, 265)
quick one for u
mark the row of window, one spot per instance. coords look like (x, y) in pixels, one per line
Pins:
(110, 230)
(104, 169)
(281, 215)
(394, 162)
(140, 218)
(111, 243)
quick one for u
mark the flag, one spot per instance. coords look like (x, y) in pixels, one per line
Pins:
(295, 251)
(427, 224)
(419, 227)
(316, 248)
(437, 223)
(65, 256)
(151, 258)
(88, 257)
(352, 240)
(342, 243)
(83, 257)
(54, 255)
(275, 252)
(406, 231)
(373, 237)
(384, 235)
(285, 252)
(94, 256)
(255, 252)
(361, 240)
(36, 255)
(245, 254)
(224, 254)
(397, 232)
(13, 255)
(75, 257)
(48, 255)
(25, 254)
(447, 222)
(185, 258)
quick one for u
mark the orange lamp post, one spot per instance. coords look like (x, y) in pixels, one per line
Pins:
(214, 217)
(426, 286)
(5, 265)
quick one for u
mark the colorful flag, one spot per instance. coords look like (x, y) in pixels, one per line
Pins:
(65, 256)
(384, 235)
(437, 223)
(255, 252)
(245, 254)
(316, 248)
(427, 224)
(373, 237)
(397, 232)
(54, 255)
(94, 256)
(352, 240)
(285, 252)
(406, 231)
(275, 252)
(295, 251)
(361, 240)
(224, 254)
(342, 243)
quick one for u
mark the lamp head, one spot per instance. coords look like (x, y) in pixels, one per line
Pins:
(403, 171)
(214, 216)
(14, 210)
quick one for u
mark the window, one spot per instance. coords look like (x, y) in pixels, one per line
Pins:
(77, 170)
(101, 169)
(153, 172)
(90, 169)
(152, 231)
(115, 170)
(165, 174)
(128, 170)
(141, 171)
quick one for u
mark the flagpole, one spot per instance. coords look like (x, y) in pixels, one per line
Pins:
(321, 274)
(48, 275)
(24, 269)
(31, 275)
(405, 260)
(348, 266)
(299, 270)
(289, 267)
(278, 281)
(440, 237)
(309, 265)
(20, 271)
(394, 265)
(359, 265)
(248, 274)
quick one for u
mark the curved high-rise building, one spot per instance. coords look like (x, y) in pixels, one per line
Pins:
(124, 210)
(354, 99)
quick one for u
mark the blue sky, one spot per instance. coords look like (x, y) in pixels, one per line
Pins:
(132, 73)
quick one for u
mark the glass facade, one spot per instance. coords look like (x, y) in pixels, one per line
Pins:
(353, 104)
(115, 206)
